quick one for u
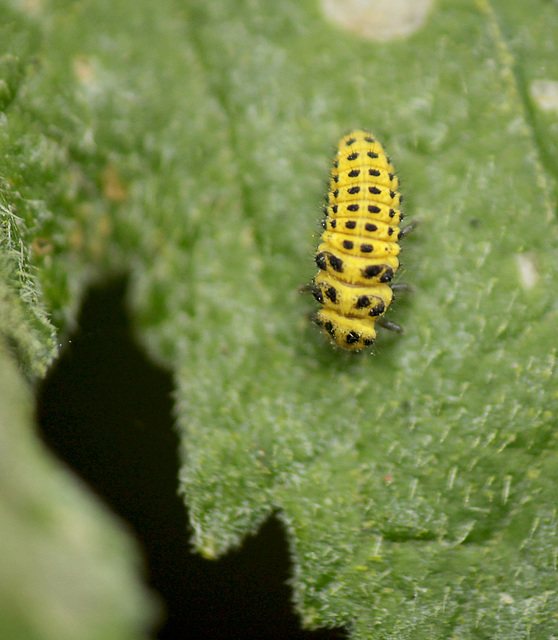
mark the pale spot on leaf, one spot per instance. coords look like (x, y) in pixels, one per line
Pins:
(545, 94)
(378, 19)
(528, 272)
(83, 69)
(32, 7)
(114, 188)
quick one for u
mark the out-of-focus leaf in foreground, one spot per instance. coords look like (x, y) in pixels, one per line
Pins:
(192, 140)
(67, 571)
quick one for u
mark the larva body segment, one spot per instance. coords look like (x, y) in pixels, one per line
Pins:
(360, 246)
(373, 229)
(353, 334)
(364, 209)
(357, 256)
(352, 300)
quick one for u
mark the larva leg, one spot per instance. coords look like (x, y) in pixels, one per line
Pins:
(401, 286)
(406, 230)
(390, 326)
(306, 288)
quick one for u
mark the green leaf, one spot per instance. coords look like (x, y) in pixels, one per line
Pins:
(190, 143)
(24, 326)
(67, 570)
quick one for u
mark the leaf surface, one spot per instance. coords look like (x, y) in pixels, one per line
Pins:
(192, 147)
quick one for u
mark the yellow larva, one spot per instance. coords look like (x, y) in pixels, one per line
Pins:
(357, 255)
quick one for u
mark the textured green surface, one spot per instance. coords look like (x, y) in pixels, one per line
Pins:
(24, 326)
(189, 142)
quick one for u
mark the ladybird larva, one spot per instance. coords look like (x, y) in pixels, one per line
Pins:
(357, 255)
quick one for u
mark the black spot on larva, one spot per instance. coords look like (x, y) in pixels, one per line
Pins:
(331, 293)
(353, 190)
(348, 244)
(374, 190)
(392, 194)
(317, 293)
(333, 223)
(352, 156)
(367, 342)
(354, 173)
(373, 172)
(372, 155)
(336, 164)
(401, 216)
(336, 263)
(369, 139)
(336, 178)
(372, 208)
(362, 302)
(399, 235)
(324, 224)
(391, 213)
(366, 248)
(391, 176)
(353, 207)
(352, 337)
(400, 198)
(321, 261)
(371, 271)
(350, 224)
(350, 141)
(377, 310)
(330, 329)
(387, 276)
(334, 208)
(370, 227)
(390, 232)
(336, 193)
